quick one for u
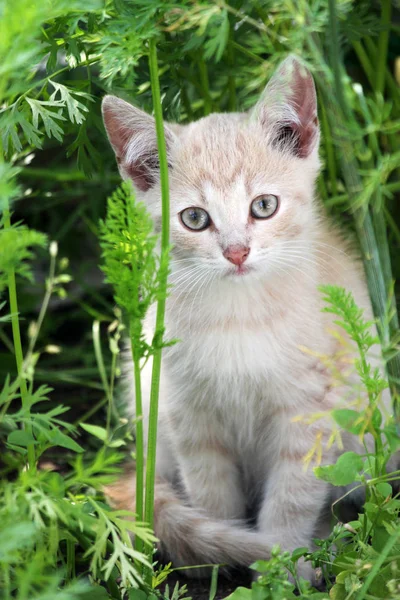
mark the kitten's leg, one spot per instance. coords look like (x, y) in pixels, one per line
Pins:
(208, 471)
(294, 499)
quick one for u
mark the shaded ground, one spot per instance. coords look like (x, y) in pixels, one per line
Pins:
(199, 589)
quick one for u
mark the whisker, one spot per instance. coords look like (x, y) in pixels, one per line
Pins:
(185, 276)
(192, 286)
(200, 288)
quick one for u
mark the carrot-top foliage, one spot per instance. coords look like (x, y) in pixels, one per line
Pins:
(64, 430)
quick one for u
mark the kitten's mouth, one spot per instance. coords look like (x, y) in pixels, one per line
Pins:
(240, 270)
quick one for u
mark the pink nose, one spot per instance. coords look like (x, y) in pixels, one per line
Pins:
(236, 255)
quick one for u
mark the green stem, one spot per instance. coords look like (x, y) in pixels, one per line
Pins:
(205, 85)
(86, 416)
(232, 104)
(7, 582)
(335, 60)
(65, 175)
(330, 155)
(248, 52)
(364, 60)
(19, 357)
(383, 43)
(389, 188)
(390, 80)
(159, 331)
(103, 374)
(6, 341)
(378, 564)
(110, 403)
(321, 186)
(71, 574)
(45, 303)
(138, 443)
(377, 285)
(378, 217)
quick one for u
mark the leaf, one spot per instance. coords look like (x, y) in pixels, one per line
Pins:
(75, 108)
(343, 472)
(241, 593)
(117, 443)
(380, 537)
(55, 484)
(349, 420)
(39, 109)
(298, 553)
(21, 438)
(392, 436)
(136, 594)
(16, 537)
(385, 489)
(60, 439)
(31, 133)
(95, 430)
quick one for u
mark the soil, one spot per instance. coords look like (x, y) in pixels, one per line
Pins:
(199, 589)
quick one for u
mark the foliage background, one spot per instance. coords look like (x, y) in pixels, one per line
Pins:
(212, 57)
(58, 59)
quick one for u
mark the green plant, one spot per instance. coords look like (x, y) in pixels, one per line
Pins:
(57, 59)
(360, 559)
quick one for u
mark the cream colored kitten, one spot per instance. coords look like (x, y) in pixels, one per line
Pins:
(251, 247)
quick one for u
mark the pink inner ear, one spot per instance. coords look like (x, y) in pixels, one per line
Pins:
(304, 137)
(119, 134)
(304, 101)
(139, 175)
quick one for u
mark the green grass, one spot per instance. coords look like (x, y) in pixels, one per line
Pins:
(58, 323)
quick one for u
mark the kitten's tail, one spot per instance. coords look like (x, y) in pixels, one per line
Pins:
(187, 536)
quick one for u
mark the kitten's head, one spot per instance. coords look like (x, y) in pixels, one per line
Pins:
(241, 184)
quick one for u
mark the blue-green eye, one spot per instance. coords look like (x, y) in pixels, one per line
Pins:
(264, 207)
(195, 218)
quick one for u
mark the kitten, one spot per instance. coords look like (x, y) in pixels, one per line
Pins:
(251, 246)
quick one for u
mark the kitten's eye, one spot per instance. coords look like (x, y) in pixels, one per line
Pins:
(264, 206)
(195, 218)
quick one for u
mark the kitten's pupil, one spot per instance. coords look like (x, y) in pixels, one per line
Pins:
(195, 218)
(264, 206)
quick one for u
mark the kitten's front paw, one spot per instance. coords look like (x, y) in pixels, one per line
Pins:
(306, 571)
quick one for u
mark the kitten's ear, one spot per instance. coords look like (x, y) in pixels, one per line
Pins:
(132, 134)
(288, 108)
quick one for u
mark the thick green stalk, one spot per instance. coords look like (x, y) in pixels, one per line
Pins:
(364, 60)
(378, 217)
(383, 43)
(158, 337)
(377, 285)
(19, 357)
(390, 80)
(138, 444)
(353, 181)
(329, 151)
(103, 374)
(205, 85)
(232, 104)
(334, 57)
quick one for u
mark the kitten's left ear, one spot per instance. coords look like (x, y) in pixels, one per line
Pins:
(132, 134)
(288, 109)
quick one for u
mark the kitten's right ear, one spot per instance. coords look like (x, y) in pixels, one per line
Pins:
(132, 134)
(287, 109)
